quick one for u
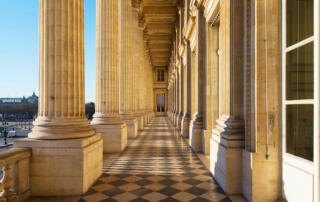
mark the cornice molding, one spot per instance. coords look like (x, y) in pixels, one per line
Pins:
(181, 49)
(141, 20)
(177, 62)
(187, 30)
(195, 5)
(211, 8)
(136, 3)
(193, 40)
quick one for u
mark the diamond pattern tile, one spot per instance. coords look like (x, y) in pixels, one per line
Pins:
(156, 166)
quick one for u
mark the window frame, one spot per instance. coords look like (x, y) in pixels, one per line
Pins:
(159, 76)
(311, 167)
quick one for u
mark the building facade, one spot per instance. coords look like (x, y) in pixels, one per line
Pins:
(31, 99)
(239, 80)
(249, 96)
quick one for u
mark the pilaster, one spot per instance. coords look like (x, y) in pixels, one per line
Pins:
(196, 124)
(185, 123)
(228, 137)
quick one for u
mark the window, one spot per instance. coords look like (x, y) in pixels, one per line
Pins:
(160, 75)
(299, 79)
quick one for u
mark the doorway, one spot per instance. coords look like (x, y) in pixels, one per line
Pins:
(160, 104)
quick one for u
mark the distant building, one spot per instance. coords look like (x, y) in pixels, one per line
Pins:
(31, 99)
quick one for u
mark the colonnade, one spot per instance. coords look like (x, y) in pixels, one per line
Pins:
(66, 148)
(215, 86)
(122, 105)
(210, 79)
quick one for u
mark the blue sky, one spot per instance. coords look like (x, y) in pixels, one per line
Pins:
(19, 47)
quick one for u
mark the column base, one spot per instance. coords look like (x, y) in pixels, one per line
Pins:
(132, 127)
(171, 117)
(114, 136)
(63, 167)
(185, 124)
(174, 119)
(226, 147)
(145, 119)
(140, 122)
(178, 121)
(60, 128)
(195, 134)
(206, 134)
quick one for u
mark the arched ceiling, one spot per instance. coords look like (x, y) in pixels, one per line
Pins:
(160, 19)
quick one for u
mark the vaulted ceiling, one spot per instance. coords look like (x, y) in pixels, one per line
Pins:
(160, 19)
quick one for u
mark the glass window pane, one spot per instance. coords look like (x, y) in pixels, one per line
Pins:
(161, 75)
(158, 75)
(299, 73)
(299, 20)
(299, 132)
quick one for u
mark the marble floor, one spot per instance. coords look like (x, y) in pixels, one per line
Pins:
(156, 166)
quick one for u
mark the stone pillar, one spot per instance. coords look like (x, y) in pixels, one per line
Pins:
(169, 99)
(126, 68)
(66, 152)
(106, 119)
(145, 83)
(137, 66)
(185, 122)
(178, 96)
(140, 72)
(181, 95)
(196, 125)
(174, 99)
(227, 140)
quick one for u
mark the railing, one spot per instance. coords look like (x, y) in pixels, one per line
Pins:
(14, 184)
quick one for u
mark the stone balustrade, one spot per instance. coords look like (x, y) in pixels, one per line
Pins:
(14, 184)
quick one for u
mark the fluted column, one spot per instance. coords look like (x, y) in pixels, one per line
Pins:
(64, 147)
(107, 119)
(126, 68)
(61, 113)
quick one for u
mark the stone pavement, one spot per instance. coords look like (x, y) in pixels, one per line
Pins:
(156, 166)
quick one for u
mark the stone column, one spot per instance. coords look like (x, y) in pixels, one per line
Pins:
(145, 89)
(185, 122)
(174, 99)
(178, 96)
(126, 68)
(181, 95)
(64, 147)
(169, 100)
(139, 72)
(150, 92)
(228, 136)
(61, 113)
(196, 125)
(106, 119)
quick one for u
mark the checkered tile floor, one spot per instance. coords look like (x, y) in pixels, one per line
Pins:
(157, 166)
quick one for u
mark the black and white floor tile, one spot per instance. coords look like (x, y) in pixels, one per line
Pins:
(156, 166)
